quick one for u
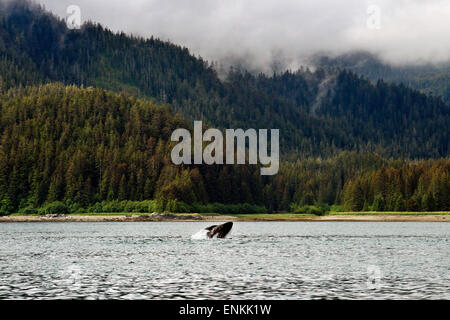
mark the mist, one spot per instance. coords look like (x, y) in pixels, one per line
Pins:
(281, 34)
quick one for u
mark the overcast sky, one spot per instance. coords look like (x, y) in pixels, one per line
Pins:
(261, 31)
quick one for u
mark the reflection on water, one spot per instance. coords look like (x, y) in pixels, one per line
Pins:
(262, 260)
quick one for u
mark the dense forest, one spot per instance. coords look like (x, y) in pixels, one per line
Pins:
(89, 145)
(428, 78)
(318, 113)
(86, 117)
(421, 186)
(84, 146)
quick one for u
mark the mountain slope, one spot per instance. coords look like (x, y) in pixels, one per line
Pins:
(318, 113)
(88, 145)
(428, 78)
(98, 150)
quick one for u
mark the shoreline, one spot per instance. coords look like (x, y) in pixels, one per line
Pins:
(221, 218)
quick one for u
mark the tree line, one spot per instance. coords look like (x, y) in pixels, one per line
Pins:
(88, 148)
(319, 114)
(423, 186)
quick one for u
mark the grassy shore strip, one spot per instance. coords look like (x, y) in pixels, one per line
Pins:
(136, 217)
(346, 217)
(381, 213)
(114, 217)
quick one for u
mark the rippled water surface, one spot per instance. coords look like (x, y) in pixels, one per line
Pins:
(262, 260)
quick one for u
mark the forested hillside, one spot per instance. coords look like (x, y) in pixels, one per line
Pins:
(412, 186)
(428, 78)
(86, 117)
(318, 113)
(89, 145)
(90, 148)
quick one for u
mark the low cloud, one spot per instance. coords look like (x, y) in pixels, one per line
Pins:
(267, 34)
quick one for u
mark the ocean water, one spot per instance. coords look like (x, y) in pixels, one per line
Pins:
(261, 260)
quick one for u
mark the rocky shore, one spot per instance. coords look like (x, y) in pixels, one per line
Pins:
(198, 217)
(113, 218)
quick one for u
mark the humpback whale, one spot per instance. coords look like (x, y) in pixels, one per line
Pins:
(219, 231)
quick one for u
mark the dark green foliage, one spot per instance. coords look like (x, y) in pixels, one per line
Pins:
(6, 206)
(97, 151)
(28, 210)
(428, 78)
(63, 143)
(423, 186)
(115, 206)
(308, 209)
(56, 207)
(83, 146)
(318, 114)
(173, 205)
(312, 181)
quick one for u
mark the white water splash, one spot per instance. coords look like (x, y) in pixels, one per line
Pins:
(200, 235)
(203, 234)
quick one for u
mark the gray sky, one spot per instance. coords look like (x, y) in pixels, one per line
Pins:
(261, 31)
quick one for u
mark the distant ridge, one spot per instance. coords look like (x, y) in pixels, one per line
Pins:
(318, 113)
